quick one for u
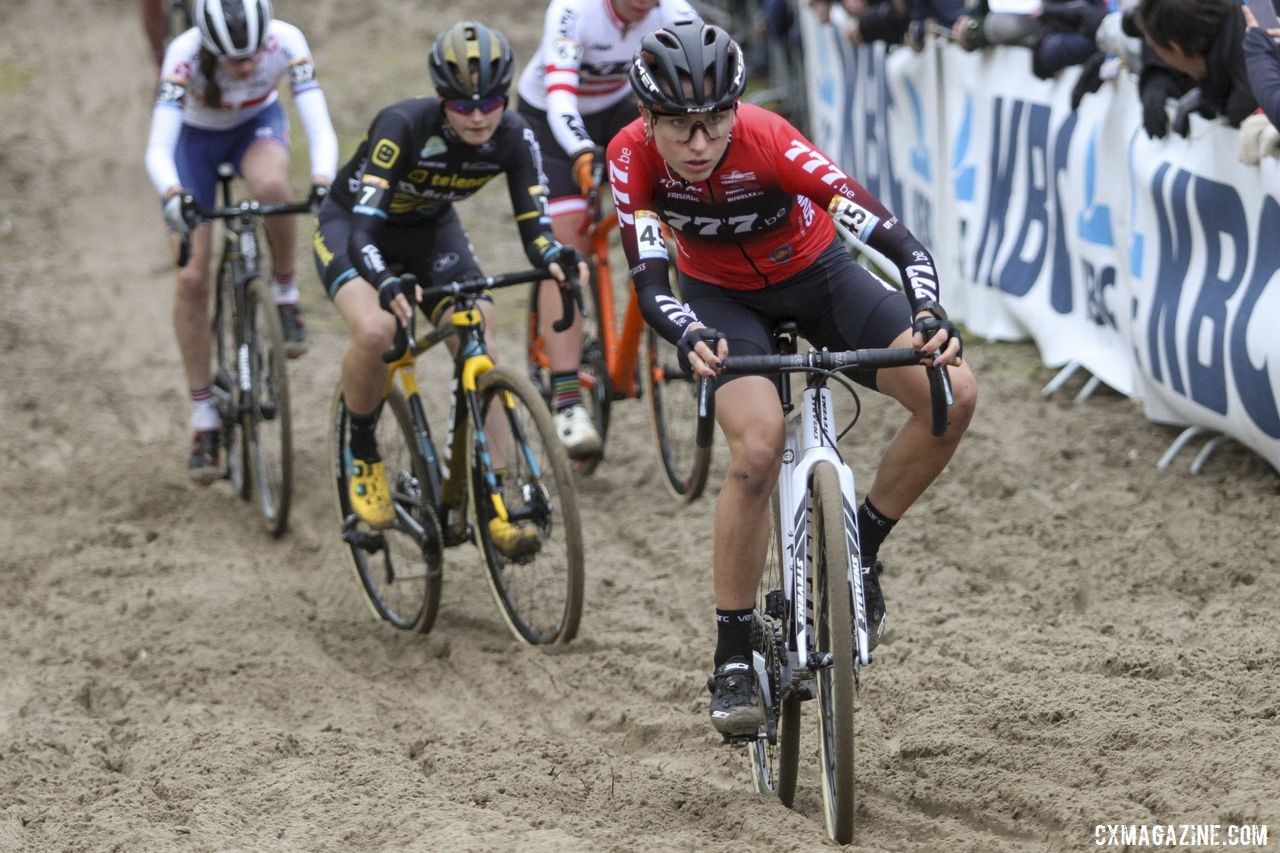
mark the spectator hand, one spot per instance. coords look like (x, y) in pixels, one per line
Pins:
(584, 167)
(1090, 79)
(1258, 138)
(180, 211)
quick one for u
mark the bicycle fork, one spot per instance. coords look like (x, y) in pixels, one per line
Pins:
(810, 441)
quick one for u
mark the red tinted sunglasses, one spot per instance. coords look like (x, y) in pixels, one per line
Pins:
(466, 106)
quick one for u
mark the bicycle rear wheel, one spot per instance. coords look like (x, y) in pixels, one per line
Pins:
(673, 413)
(524, 468)
(775, 756)
(267, 425)
(400, 568)
(833, 634)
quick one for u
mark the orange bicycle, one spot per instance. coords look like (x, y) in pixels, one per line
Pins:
(627, 362)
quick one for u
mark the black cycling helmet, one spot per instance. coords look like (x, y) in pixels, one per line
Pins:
(701, 54)
(470, 60)
(233, 28)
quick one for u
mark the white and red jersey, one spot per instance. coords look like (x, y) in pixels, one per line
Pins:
(180, 98)
(763, 216)
(284, 51)
(580, 67)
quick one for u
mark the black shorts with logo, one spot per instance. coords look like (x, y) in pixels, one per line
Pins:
(835, 304)
(437, 252)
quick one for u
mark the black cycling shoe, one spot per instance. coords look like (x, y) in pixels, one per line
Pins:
(875, 602)
(735, 700)
(205, 464)
(296, 340)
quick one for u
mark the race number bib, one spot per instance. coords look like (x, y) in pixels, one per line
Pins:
(649, 241)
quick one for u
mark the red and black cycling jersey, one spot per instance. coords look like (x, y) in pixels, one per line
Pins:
(763, 216)
(411, 167)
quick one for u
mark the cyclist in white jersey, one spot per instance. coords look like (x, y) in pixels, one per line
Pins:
(217, 102)
(574, 93)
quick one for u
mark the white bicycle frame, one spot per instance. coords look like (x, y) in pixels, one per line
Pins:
(811, 440)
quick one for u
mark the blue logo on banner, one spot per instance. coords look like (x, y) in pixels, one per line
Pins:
(965, 173)
(1094, 221)
(919, 151)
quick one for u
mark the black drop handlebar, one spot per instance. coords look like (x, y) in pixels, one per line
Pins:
(818, 361)
(248, 207)
(473, 287)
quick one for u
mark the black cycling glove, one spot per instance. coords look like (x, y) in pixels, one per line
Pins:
(388, 291)
(690, 339)
(934, 319)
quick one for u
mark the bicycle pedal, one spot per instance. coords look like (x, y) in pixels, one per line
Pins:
(740, 740)
(821, 660)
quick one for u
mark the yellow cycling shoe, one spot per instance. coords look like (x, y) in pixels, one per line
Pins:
(368, 493)
(514, 542)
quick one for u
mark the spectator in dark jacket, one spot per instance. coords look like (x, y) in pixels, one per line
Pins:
(1263, 65)
(1200, 39)
(1260, 133)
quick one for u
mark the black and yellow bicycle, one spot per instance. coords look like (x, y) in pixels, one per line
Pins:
(505, 482)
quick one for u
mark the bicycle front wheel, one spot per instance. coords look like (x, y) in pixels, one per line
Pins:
(833, 629)
(526, 511)
(775, 755)
(226, 380)
(266, 423)
(673, 413)
(399, 568)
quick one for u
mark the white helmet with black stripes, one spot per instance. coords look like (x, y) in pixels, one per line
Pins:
(233, 28)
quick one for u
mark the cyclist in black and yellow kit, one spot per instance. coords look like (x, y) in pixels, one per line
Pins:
(391, 206)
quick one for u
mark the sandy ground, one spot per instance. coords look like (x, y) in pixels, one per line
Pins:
(1077, 638)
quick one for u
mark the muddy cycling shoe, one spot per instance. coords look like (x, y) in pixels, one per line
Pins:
(518, 544)
(735, 699)
(577, 432)
(875, 602)
(296, 340)
(205, 464)
(368, 493)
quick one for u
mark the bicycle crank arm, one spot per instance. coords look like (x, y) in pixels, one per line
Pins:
(370, 543)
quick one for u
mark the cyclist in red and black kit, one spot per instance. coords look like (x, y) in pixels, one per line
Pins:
(391, 210)
(750, 202)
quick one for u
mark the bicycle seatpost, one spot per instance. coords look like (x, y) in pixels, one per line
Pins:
(405, 337)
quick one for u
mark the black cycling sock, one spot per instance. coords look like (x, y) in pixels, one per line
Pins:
(733, 635)
(873, 527)
(364, 440)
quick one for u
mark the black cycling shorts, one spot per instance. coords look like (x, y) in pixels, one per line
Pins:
(437, 252)
(558, 165)
(834, 303)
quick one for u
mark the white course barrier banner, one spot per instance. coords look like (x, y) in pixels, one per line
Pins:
(1153, 264)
